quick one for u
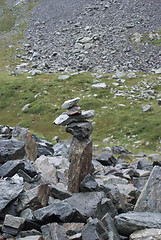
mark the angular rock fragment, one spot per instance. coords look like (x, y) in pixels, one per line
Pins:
(106, 159)
(10, 189)
(11, 150)
(10, 168)
(150, 197)
(12, 225)
(150, 233)
(80, 130)
(57, 211)
(58, 192)
(53, 231)
(89, 184)
(127, 223)
(35, 198)
(31, 147)
(70, 103)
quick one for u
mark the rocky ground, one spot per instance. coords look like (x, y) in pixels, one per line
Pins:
(94, 35)
(118, 200)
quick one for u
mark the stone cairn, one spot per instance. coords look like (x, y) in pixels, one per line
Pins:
(80, 156)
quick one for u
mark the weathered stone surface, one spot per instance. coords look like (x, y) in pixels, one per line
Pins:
(27, 214)
(64, 119)
(31, 147)
(111, 229)
(86, 204)
(147, 108)
(106, 159)
(10, 189)
(58, 192)
(10, 168)
(70, 103)
(150, 197)
(99, 85)
(13, 225)
(35, 198)
(47, 166)
(35, 237)
(63, 77)
(89, 184)
(73, 228)
(58, 211)
(53, 231)
(94, 230)
(143, 164)
(19, 133)
(80, 129)
(146, 234)
(74, 110)
(127, 223)
(80, 162)
(11, 149)
(61, 149)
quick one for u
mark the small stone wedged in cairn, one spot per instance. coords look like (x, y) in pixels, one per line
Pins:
(81, 146)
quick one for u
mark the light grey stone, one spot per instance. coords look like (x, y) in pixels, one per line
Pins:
(99, 85)
(146, 234)
(63, 77)
(70, 103)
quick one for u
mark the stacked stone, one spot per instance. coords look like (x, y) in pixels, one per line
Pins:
(81, 146)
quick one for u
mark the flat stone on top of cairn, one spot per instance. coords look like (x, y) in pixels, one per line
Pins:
(70, 103)
(81, 146)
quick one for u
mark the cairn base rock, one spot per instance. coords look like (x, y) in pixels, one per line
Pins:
(80, 162)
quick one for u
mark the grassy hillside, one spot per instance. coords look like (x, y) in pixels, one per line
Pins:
(118, 119)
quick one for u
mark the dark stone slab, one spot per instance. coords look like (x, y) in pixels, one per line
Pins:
(106, 159)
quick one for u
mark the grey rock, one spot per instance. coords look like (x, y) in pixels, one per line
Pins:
(94, 230)
(35, 237)
(25, 107)
(10, 168)
(143, 164)
(10, 189)
(154, 157)
(127, 223)
(85, 204)
(19, 133)
(73, 228)
(106, 159)
(150, 233)
(13, 225)
(147, 108)
(34, 198)
(27, 214)
(70, 103)
(58, 211)
(150, 197)
(89, 184)
(53, 231)
(80, 130)
(11, 149)
(61, 149)
(108, 222)
(63, 77)
(99, 85)
(59, 193)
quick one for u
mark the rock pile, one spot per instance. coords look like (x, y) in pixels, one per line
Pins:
(117, 200)
(81, 146)
(93, 35)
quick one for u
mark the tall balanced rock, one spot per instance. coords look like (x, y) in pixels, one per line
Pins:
(81, 145)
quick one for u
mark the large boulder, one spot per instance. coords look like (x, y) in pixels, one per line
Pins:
(150, 197)
(11, 149)
(127, 223)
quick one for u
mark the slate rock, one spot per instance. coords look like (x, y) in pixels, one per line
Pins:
(56, 191)
(127, 223)
(106, 159)
(108, 222)
(73, 228)
(151, 233)
(13, 225)
(80, 162)
(106, 206)
(94, 230)
(53, 231)
(27, 214)
(57, 211)
(34, 198)
(35, 237)
(70, 103)
(61, 149)
(11, 150)
(85, 204)
(44, 148)
(89, 184)
(19, 133)
(80, 130)
(10, 168)
(10, 189)
(143, 164)
(150, 197)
